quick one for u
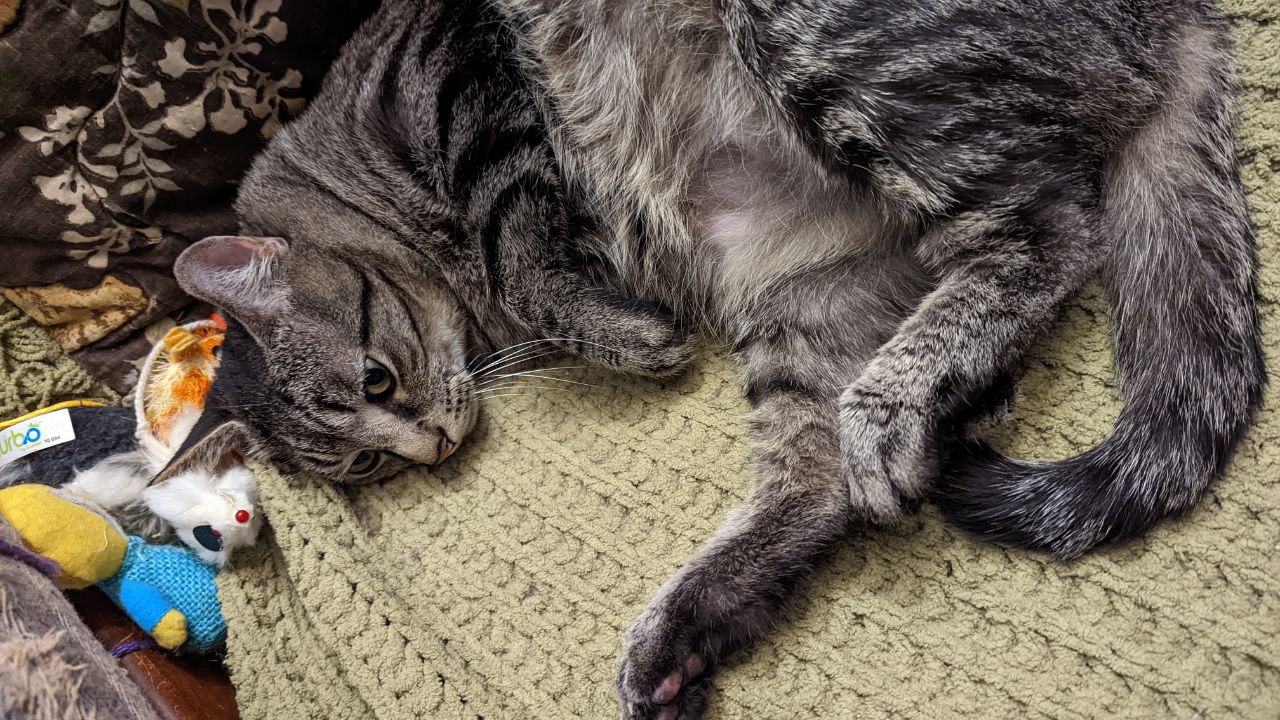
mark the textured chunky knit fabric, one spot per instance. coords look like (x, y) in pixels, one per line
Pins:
(34, 372)
(499, 585)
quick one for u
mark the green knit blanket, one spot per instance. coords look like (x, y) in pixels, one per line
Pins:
(499, 585)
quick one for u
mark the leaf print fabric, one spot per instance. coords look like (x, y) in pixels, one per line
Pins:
(126, 126)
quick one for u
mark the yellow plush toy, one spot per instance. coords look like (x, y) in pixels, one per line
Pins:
(89, 547)
(159, 586)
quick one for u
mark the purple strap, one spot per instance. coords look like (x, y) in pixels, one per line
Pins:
(128, 646)
(45, 566)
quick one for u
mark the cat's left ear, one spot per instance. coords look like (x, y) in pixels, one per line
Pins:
(239, 274)
(216, 441)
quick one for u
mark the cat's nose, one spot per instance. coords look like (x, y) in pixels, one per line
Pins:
(429, 448)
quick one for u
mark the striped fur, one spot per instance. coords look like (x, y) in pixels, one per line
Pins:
(880, 205)
(426, 224)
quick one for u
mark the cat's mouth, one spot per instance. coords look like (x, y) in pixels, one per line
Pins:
(445, 448)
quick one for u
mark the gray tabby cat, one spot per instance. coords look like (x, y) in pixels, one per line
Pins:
(879, 204)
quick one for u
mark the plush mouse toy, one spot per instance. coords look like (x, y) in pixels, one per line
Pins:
(166, 589)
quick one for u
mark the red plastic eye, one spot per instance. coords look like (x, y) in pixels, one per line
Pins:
(242, 516)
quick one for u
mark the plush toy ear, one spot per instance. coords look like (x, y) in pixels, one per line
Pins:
(239, 274)
(216, 441)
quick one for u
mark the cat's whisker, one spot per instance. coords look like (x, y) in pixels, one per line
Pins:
(521, 373)
(519, 394)
(516, 360)
(602, 346)
(533, 374)
(491, 388)
(520, 383)
(482, 359)
(523, 355)
(516, 384)
(498, 356)
(485, 368)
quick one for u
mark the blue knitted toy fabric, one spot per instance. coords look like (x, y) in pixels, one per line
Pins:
(183, 580)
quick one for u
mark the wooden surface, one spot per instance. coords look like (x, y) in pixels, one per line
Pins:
(180, 687)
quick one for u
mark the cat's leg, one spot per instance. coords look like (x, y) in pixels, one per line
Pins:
(1004, 271)
(598, 324)
(796, 356)
(556, 298)
(734, 590)
(611, 329)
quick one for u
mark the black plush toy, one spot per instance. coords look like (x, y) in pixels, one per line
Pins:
(100, 433)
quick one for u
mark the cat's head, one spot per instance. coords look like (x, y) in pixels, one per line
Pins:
(329, 365)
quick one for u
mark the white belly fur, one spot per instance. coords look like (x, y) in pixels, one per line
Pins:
(731, 200)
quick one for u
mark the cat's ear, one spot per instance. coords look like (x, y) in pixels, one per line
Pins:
(241, 275)
(216, 441)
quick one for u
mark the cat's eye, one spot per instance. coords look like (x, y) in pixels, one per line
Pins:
(379, 383)
(364, 463)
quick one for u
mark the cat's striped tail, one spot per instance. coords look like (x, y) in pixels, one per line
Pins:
(1183, 298)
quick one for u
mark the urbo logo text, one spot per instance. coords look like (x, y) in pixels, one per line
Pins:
(28, 436)
(18, 438)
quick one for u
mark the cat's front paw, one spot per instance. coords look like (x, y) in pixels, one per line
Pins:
(658, 348)
(887, 453)
(641, 340)
(660, 676)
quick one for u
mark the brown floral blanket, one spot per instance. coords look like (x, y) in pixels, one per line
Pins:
(124, 127)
